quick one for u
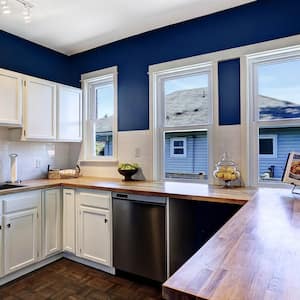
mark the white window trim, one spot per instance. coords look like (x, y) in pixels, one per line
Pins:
(172, 147)
(249, 66)
(274, 142)
(173, 67)
(88, 79)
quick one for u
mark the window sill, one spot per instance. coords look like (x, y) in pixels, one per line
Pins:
(98, 161)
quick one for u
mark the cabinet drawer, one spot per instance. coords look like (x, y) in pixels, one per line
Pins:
(98, 199)
(21, 201)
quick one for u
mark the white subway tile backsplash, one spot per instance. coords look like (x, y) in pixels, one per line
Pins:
(55, 154)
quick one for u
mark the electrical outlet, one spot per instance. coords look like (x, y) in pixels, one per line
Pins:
(37, 163)
(137, 152)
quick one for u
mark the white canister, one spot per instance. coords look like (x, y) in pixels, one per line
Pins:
(13, 167)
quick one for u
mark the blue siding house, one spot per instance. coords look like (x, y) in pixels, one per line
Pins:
(275, 148)
(186, 154)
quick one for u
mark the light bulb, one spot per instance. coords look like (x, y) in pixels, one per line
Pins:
(3, 2)
(27, 19)
(26, 11)
(26, 14)
(6, 10)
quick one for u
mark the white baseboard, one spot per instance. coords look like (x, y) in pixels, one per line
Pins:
(107, 269)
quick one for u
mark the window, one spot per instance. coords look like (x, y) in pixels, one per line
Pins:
(275, 108)
(178, 147)
(101, 114)
(268, 146)
(183, 105)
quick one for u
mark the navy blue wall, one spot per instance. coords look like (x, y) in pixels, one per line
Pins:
(248, 24)
(22, 56)
(229, 92)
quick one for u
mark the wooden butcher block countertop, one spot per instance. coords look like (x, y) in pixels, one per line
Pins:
(256, 255)
(188, 191)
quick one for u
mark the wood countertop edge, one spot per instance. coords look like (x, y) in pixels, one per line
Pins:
(259, 244)
(147, 190)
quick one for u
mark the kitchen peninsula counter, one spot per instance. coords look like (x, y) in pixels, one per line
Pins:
(255, 255)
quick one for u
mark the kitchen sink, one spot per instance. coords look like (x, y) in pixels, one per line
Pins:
(7, 186)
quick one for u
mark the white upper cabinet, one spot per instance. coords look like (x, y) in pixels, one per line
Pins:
(10, 98)
(39, 110)
(46, 110)
(69, 114)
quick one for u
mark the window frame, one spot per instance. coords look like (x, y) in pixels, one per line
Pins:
(172, 147)
(272, 137)
(252, 61)
(91, 81)
(158, 115)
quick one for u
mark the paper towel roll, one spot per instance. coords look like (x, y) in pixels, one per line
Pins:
(13, 167)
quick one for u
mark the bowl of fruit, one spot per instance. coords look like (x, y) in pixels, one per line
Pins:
(128, 170)
(226, 170)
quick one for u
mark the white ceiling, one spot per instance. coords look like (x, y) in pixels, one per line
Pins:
(70, 26)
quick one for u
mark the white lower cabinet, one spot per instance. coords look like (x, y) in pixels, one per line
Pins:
(52, 222)
(94, 235)
(94, 228)
(69, 219)
(35, 226)
(21, 240)
(21, 229)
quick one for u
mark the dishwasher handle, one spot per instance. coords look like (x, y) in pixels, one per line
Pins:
(140, 198)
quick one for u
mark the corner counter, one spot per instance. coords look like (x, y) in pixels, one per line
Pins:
(256, 255)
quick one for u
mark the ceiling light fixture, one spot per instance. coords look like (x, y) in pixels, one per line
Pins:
(5, 7)
(27, 6)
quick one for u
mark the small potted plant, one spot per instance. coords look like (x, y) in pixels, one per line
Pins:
(128, 170)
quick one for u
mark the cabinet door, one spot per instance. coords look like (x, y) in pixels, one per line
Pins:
(20, 240)
(52, 222)
(40, 110)
(69, 212)
(69, 122)
(94, 235)
(10, 98)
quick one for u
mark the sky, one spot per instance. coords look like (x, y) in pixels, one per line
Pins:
(105, 100)
(186, 83)
(280, 80)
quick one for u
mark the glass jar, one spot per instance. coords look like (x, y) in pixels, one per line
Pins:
(226, 170)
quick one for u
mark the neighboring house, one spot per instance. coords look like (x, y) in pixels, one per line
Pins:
(275, 144)
(186, 154)
(104, 143)
(104, 136)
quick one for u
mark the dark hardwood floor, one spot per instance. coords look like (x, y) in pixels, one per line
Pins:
(65, 279)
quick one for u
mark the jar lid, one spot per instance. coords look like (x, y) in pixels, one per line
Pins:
(226, 161)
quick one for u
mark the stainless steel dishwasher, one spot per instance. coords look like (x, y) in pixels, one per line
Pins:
(139, 235)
